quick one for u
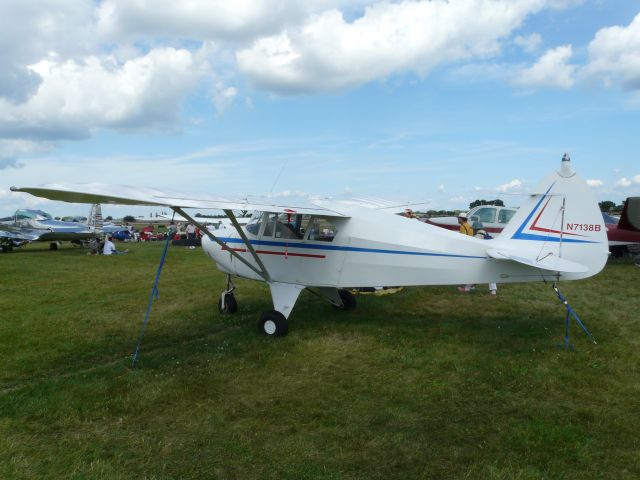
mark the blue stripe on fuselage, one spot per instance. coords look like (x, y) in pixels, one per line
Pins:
(341, 248)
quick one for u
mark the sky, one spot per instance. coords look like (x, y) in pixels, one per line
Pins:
(442, 102)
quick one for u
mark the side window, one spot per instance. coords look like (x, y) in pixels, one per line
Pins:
(285, 225)
(270, 226)
(486, 215)
(505, 215)
(321, 230)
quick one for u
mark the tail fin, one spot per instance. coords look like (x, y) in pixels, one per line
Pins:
(95, 218)
(630, 218)
(559, 226)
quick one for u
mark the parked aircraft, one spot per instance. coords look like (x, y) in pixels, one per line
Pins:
(35, 225)
(492, 218)
(624, 233)
(329, 246)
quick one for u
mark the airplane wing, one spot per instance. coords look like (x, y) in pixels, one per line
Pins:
(125, 195)
(377, 203)
(549, 262)
(18, 233)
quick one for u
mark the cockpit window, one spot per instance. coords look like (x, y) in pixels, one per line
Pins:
(321, 230)
(253, 227)
(505, 215)
(285, 225)
(486, 215)
(32, 214)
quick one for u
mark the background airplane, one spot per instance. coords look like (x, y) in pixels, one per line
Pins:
(35, 225)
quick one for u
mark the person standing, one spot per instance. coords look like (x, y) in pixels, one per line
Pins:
(482, 233)
(465, 229)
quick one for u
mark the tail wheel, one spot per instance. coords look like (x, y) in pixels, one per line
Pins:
(348, 300)
(273, 324)
(228, 303)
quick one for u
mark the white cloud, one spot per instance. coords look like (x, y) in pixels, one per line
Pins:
(30, 30)
(237, 20)
(551, 70)
(12, 149)
(441, 188)
(513, 184)
(78, 96)
(624, 182)
(636, 179)
(594, 183)
(614, 55)
(528, 43)
(330, 53)
(223, 96)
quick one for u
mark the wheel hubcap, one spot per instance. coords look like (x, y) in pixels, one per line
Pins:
(269, 327)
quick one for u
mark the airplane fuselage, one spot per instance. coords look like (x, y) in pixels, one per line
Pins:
(373, 248)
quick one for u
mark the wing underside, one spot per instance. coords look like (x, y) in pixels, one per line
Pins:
(99, 193)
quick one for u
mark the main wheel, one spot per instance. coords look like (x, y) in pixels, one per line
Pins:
(230, 305)
(348, 300)
(273, 324)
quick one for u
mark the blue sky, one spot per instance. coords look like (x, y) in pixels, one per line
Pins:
(435, 101)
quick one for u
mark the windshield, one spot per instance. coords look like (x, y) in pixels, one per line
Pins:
(32, 214)
(253, 227)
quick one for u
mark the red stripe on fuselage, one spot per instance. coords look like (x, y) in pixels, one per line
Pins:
(270, 252)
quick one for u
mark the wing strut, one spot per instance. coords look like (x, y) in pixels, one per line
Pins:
(262, 272)
(232, 217)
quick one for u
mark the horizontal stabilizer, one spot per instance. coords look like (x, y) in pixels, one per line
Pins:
(549, 262)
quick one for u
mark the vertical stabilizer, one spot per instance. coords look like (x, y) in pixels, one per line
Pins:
(560, 220)
(94, 220)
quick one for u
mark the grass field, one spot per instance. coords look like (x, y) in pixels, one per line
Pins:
(426, 383)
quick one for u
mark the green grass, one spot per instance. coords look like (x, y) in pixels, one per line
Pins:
(426, 383)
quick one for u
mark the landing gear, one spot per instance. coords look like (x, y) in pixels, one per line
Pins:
(53, 246)
(227, 302)
(273, 324)
(348, 300)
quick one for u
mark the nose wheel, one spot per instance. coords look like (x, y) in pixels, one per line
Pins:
(227, 302)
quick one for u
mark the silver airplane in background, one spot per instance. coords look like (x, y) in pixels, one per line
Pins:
(37, 226)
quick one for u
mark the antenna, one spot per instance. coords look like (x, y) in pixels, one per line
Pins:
(278, 177)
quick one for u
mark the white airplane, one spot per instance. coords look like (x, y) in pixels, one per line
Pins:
(329, 246)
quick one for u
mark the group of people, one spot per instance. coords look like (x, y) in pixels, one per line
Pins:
(467, 229)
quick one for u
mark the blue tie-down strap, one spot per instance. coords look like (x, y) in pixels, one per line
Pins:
(571, 313)
(154, 296)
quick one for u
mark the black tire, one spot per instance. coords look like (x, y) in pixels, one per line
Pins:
(348, 300)
(273, 324)
(230, 304)
(53, 246)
